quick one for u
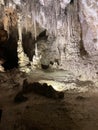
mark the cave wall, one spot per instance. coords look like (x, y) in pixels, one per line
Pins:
(89, 22)
(71, 29)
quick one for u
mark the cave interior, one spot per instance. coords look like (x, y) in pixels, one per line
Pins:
(48, 65)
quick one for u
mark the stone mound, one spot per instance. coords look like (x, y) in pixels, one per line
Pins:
(41, 89)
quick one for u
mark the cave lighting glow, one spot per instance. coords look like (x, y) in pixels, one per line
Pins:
(58, 86)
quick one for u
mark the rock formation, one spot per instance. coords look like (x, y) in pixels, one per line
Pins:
(71, 30)
(41, 89)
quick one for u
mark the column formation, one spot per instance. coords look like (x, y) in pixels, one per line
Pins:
(73, 27)
(23, 60)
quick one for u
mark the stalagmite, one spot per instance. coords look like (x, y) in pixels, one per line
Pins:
(36, 59)
(61, 47)
(36, 50)
(23, 59)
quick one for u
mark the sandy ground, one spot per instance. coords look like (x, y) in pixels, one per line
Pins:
(77, 111)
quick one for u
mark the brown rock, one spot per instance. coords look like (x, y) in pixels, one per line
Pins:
(41, 89)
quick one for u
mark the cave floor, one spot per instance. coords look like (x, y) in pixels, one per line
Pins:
(77, 111)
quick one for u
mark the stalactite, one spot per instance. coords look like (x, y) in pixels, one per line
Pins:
(34, 23)
(19, 27)
(9, 18)
(56, 16)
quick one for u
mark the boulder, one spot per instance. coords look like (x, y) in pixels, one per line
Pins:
(41, 89)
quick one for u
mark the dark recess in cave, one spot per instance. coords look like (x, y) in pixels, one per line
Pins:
(8, 49)
(72, 1)
(28, 44)
(65, 11)
(45, 67)
(83, 52)
(42, 36)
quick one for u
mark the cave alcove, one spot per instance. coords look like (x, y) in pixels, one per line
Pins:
(9, 50)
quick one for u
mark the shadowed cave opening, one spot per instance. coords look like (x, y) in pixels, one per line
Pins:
(8, 46)
(8, 50)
